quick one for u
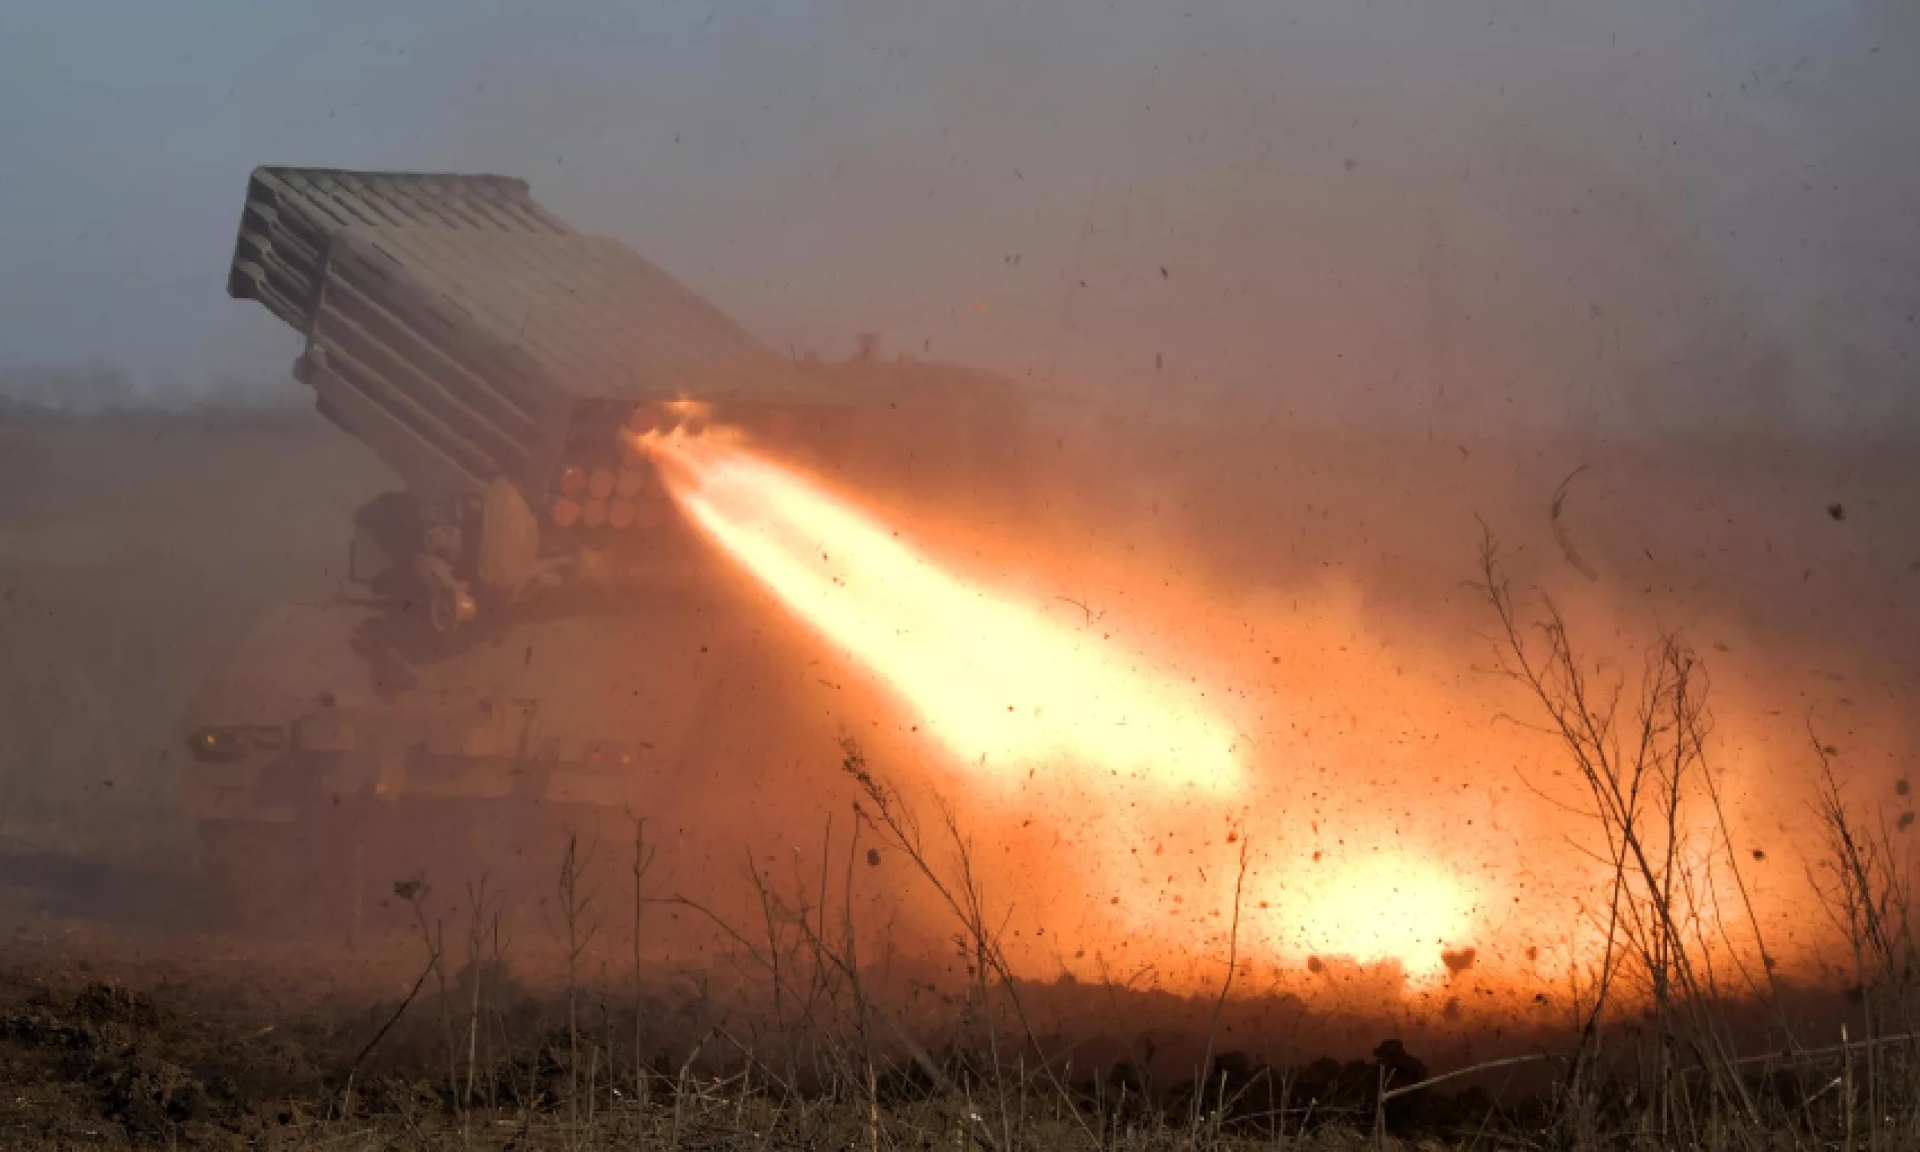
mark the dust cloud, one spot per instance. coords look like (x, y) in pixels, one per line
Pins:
(1462, 214)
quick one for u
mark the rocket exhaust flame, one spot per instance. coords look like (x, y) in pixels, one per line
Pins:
(1004, 689)
(1042, 715)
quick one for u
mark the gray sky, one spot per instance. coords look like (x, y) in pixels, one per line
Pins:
(1442, 211)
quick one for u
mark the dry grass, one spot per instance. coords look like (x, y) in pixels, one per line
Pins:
(1657, 1065)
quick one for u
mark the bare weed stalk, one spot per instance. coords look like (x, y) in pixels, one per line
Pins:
(575, 903)
(1867, 887)
(1220, 1003)
(1641, 767)
(642, 864)
(965, 898)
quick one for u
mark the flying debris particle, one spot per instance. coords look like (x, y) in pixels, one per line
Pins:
(1901, 787)
(1905, 821)
(1760, 855)
(1560, 535)
(1315, 965)
(1163, 272)
(1459, 961)
(873, 857)
(1837, 510)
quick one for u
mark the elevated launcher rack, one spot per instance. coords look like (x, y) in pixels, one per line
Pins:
(490, 354)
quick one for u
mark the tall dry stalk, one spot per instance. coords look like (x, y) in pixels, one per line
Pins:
(1643, 767)
(1220, 1003)
(642, 864)
(964, 895)
(1866, 884)
(433, 935)
(575, 903)
(476, 974)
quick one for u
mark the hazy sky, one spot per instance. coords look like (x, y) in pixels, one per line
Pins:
(1459, 211)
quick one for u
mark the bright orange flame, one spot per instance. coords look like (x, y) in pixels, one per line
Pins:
(1388, 834)
(1394, 905)
(1001, 686)
(1129, 751)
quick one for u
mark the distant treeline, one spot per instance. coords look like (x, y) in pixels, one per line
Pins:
(102, 389)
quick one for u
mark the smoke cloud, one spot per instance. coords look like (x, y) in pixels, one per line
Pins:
(1470, 213)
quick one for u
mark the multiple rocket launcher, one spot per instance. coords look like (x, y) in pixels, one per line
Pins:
(502, 364)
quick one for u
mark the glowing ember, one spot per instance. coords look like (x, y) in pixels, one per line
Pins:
(1001, 686)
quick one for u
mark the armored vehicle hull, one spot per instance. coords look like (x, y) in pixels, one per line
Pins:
(532, 645)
